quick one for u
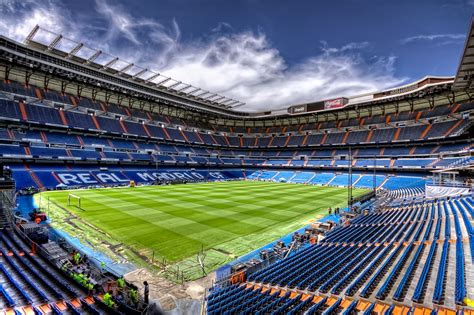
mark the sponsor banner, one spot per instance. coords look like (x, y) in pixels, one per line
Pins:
(433, 191)
(86, 178)
(297, 109)
(335, 103)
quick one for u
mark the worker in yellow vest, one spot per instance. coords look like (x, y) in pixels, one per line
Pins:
(121, 283)
(108, 299)
(133, 296)
(469, 302)
(77, 258)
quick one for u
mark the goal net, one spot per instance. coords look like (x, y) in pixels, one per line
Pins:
(73, 200)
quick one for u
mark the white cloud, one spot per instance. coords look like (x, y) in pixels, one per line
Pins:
(241, 65)
(17, 18)
(245, 66)
(439, 38)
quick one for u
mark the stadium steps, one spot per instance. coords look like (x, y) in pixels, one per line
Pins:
(358, 179)
(305, 139)
(428, 295)
(147, 131)
(198, 135)
(421, 224)
(127, 111)
(426, 225)
(314, 175)
(381, 258)
(397, 133)
(122, 125)
(81, 142)
(346, 135)
(452, 226)
(212, 138)
(36, 179)
(433, 163)
(45, 265)
(329, 182)
(14, 289)
(410, 290)
(3, 218)
(383, 182)
(386, 274)
(425, 132)
(402, 273)
(187, 140)
(369, 135)
(43, 137)
(469, 271)
(96, 122)
(451, 130)
(449, 289)
(23, 112)
(37, 280)
(435, 149)
(41, 278)
(323, 140)
(275, 176)
(463, 221)
(19, 277)
(73, 100)
(63, 118)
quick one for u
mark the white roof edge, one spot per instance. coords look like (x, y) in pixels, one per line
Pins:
(449, 79)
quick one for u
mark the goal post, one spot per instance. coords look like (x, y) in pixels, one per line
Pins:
(74, 200)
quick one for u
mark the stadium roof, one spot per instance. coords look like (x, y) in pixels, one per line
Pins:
(72, 50)
(55, 54)
(465, 73)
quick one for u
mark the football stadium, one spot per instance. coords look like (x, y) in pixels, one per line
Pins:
(127, 191)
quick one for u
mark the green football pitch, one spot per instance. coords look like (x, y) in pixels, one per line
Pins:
(227, 219)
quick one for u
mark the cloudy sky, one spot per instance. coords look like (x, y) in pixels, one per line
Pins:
(266, 53)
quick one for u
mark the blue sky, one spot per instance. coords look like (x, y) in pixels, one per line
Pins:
(269, 53)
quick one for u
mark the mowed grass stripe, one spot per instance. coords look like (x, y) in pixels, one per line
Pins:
(175, 220)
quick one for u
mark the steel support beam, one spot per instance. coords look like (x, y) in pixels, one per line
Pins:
(110, 63)
(55, 42)
(94, 56)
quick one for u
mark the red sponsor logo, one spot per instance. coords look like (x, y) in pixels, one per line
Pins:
(338, 102)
